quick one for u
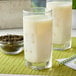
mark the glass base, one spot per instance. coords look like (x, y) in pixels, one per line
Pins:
(39, 66)
(62, 47)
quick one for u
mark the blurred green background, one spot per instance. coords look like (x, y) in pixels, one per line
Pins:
(74, 4)
(42, 3)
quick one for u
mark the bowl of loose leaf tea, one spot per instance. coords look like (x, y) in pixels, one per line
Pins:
(11, 44)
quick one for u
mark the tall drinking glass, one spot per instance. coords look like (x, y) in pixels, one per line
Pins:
(37, 29)
(62, 23)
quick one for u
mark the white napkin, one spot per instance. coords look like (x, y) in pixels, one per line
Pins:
(70, 64)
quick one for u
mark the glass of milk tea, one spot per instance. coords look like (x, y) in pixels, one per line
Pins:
(62, 23)
(37, 31)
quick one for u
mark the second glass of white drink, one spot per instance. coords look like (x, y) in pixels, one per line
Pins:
(37, 29)
(62, 23)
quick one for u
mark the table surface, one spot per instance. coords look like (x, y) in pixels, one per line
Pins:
(15, 64)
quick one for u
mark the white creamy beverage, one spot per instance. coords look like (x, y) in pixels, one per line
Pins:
(62, 21)
(37, 38)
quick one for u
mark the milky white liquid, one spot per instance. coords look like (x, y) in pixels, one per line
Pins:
(62, 21)
(37, 38)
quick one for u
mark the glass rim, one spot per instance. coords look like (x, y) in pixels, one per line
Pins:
(34, 10)
(57, 0)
